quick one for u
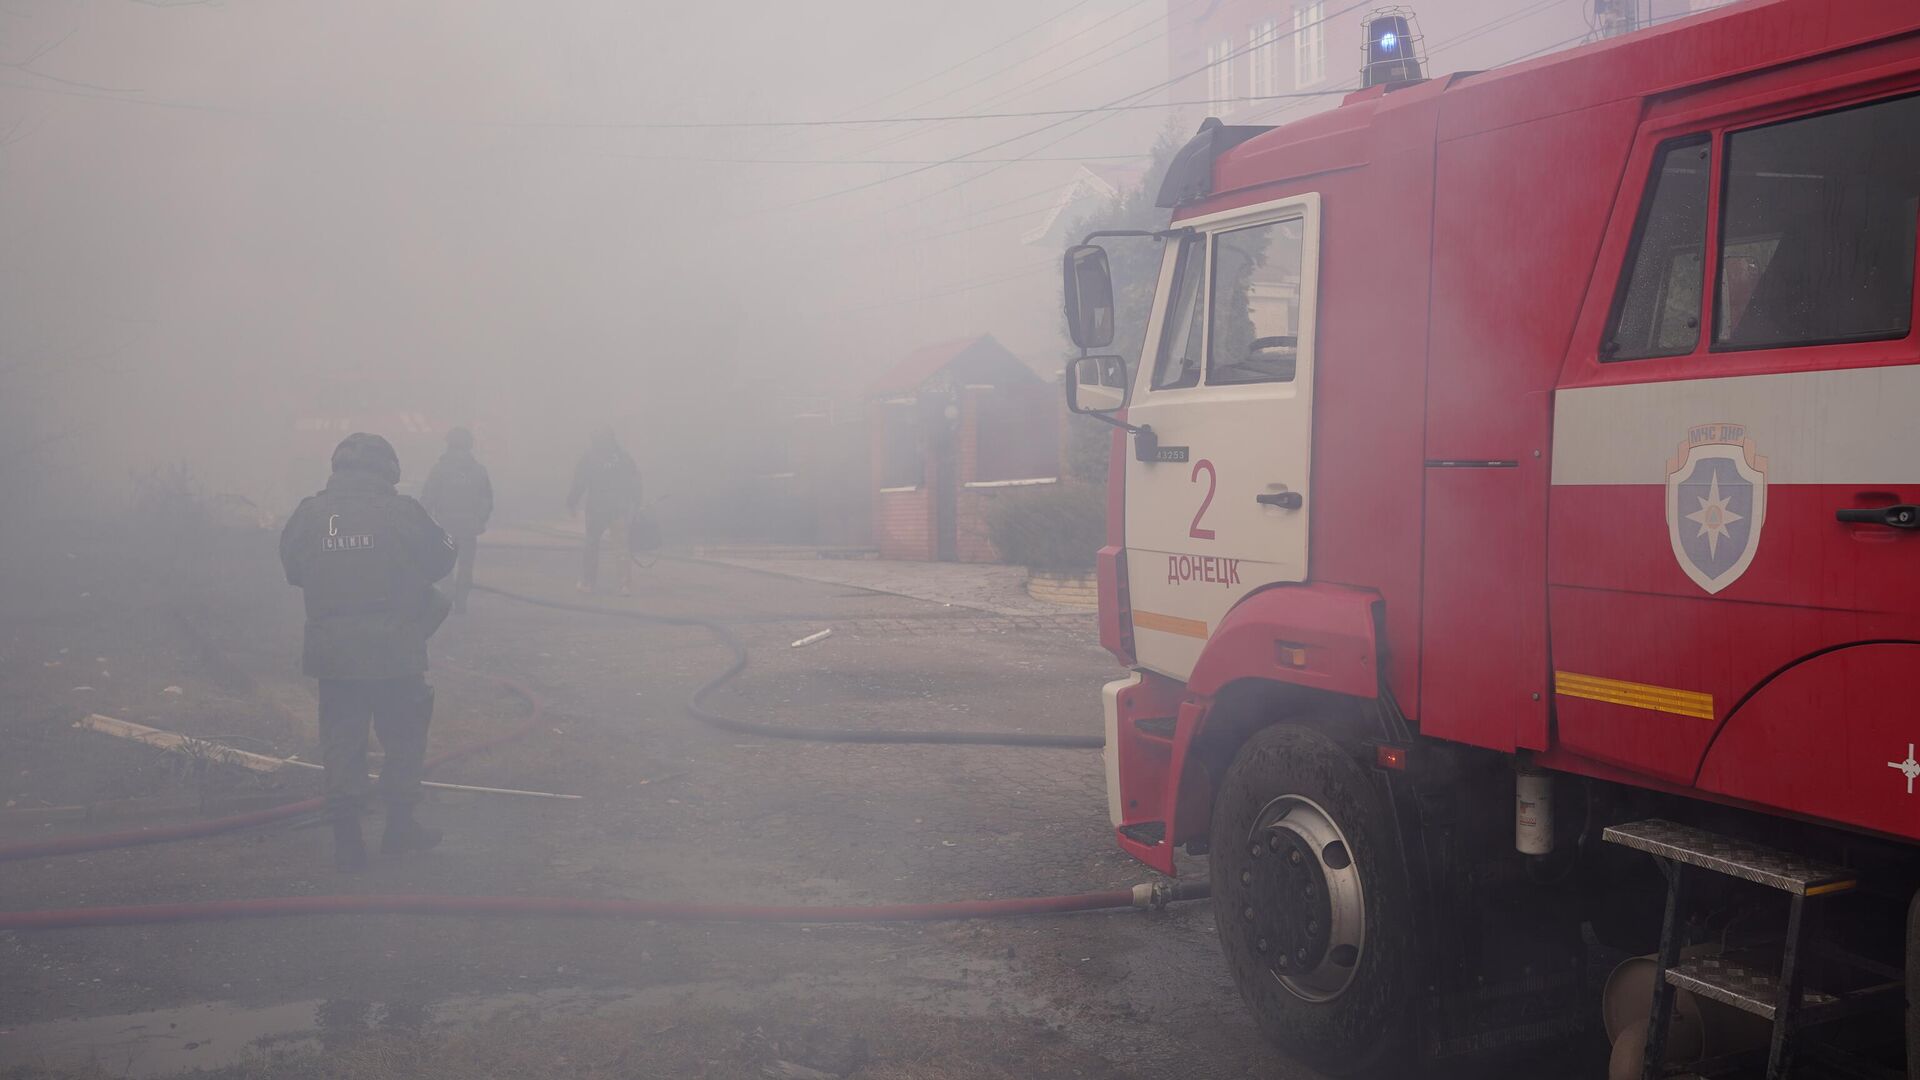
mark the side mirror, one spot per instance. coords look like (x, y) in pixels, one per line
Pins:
(1089, 296)
(1097, 384)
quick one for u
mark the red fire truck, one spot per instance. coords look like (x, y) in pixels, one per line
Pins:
(1518, 479)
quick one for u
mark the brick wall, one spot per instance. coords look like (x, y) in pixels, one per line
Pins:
(903, 525)
(971, 541)
(902, 520)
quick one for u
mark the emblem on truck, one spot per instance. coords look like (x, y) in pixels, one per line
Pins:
(1716, 504)
(1908, 768)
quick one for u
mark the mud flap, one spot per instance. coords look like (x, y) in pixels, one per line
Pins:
(1913, 986)
(1497, 973)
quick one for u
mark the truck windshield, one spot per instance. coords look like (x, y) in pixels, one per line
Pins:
(1178, 364)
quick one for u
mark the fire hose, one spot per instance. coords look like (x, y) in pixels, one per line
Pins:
(1139, 896)
(726, 637)
(76, 845)
(1155, 896)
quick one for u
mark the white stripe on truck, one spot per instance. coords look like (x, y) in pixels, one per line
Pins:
(1856, 426)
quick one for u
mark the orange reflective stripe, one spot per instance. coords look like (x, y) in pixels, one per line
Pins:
(1637, 695)
(1169, 624)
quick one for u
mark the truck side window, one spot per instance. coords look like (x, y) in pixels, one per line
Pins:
(1255, 326)
(1657, 309)
(1817, 229)
(1178, 365)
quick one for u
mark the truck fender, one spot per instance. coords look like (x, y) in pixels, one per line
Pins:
(1317, 637)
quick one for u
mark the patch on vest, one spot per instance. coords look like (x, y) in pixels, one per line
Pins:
(333, 541)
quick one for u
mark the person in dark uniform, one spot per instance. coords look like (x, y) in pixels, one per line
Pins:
(366, 558)
(608, 482)
(459, 495)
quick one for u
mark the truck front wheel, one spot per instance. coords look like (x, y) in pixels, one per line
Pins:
(1311, 903)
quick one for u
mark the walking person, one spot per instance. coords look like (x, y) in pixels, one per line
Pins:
(459, 495)
(365, 558)
(607, 482)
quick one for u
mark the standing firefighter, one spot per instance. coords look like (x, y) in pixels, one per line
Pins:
(609, 483)
(459, 495)
(366, 558)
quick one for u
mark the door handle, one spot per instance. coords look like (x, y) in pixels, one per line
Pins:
(1291, 500)
(1901, 516)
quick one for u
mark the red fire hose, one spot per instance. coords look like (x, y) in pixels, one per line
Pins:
(1156, 895)
(1139, 896)
(74, 845)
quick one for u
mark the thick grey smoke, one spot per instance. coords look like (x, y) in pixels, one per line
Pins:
(224, 220)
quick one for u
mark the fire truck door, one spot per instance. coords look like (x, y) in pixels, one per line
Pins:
(1730, 462)
(1220, 505)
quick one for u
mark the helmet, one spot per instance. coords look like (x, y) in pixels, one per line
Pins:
(459, 439)
(363, 452)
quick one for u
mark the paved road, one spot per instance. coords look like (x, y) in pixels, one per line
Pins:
(673, 811)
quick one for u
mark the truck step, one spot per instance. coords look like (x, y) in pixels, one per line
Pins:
(1784, 999)
(1748, 989)
(1757, 991)
(1733, 857)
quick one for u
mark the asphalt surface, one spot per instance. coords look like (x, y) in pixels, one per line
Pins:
(672, 810)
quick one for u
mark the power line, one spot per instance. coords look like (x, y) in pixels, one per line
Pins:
(1342, 90)
(924, 297)
(1083, 129)
(1465, 36)
(1021, 63)
(1131, 155)
(1102, 118)
(890, 140)
(1054, 77)
(1109, 106)
(152, 103)
(1096, 121)
(1495, 24)
(976, 225)
(1462, 38)
(1050, 189)
(1060, 77)
(163, 103)
(1042, 24)
(869, 121)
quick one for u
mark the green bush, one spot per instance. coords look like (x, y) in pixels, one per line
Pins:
(1058, 527)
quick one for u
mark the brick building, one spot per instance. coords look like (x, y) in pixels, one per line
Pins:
(955, 426)
(782, 469)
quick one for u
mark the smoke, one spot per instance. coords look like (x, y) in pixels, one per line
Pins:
(226, 224)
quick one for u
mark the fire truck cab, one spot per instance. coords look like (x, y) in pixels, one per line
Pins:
(1551, 429)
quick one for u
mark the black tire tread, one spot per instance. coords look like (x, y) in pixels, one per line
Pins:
(1367, 1030)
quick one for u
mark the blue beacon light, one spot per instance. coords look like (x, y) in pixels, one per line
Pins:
(1388, 41)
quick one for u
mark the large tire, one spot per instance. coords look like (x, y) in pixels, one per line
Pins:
(1316, 933)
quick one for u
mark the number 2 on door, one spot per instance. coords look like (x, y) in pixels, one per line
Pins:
(1194, 530)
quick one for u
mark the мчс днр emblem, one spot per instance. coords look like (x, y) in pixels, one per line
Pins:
(1716, 504)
